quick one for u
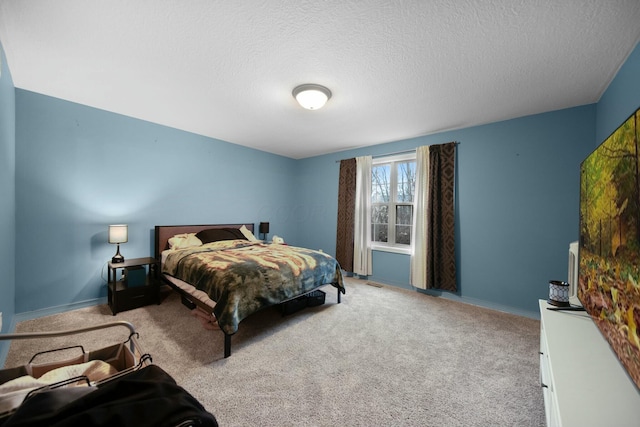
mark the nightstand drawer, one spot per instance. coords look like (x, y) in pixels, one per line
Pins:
(135, 297)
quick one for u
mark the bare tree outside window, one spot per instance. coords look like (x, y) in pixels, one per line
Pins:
(380, 189)
(406, 181)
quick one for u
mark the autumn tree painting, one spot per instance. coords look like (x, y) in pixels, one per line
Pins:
(610, 241)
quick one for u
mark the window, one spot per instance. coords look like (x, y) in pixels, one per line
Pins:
(392, 196)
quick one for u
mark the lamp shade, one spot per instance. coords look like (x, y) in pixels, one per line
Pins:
(118, 233)
(311, 96)
(264, 227)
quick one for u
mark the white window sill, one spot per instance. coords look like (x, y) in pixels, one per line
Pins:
(393, 249)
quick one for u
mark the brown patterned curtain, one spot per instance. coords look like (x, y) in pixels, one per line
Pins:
(441, 250)
(346, 210)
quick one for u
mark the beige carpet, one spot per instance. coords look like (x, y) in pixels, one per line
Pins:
(385, 356)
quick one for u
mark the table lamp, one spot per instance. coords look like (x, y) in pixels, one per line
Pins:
(264, 229)
(118, 234)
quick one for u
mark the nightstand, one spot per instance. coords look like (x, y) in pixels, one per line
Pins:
(122, 297)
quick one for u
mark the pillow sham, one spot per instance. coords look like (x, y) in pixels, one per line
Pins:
(248, 234)
(183, 241)
(217, 234)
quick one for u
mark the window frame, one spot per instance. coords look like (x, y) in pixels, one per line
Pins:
(393, 160)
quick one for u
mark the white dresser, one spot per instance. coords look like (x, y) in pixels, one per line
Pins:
(583, 382)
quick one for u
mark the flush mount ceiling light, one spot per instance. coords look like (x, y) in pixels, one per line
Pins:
(311, 97)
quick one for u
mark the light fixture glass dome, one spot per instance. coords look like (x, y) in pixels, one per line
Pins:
(311, 96)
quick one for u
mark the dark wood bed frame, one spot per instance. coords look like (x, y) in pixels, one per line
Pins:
(162, 235)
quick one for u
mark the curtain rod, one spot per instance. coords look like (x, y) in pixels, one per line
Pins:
(396, 152)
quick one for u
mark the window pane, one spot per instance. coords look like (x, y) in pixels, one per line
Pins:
(404, 214)
(379, 233)
(406, 181)
(380, 183)
(404, 219)
(380, 223)
(380, 214)
(403, 234)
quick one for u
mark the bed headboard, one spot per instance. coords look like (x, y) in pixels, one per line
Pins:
(165, 232)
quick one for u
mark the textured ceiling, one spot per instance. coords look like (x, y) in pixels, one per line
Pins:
(397, 69)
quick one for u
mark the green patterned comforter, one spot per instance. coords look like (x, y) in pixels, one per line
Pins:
(243, 277)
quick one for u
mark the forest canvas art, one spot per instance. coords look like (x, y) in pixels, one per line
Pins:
(609, 277)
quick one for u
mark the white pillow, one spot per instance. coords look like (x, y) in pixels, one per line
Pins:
(183, 241)
(248, 234)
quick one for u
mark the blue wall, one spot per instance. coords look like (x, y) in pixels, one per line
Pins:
(517, 205)
(7, 195)
(7, 192)
(80, 169)
(621, 98)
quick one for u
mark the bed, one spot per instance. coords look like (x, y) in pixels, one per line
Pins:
(227, 274)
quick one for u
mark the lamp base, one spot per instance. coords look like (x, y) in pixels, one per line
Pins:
(117, 258)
